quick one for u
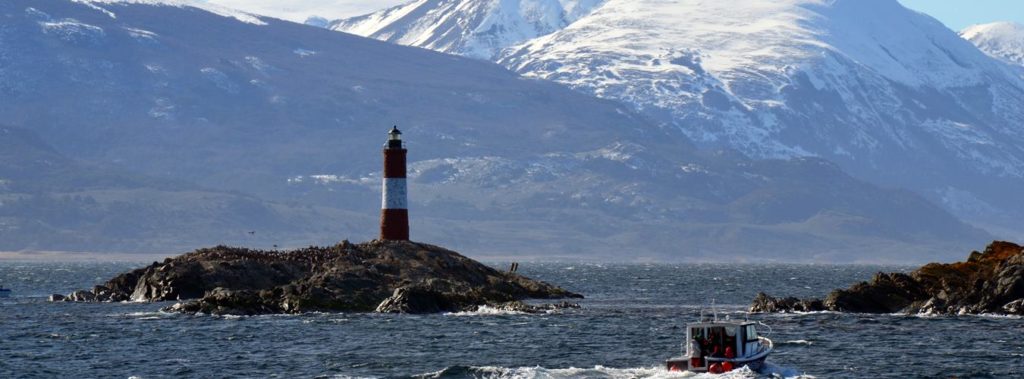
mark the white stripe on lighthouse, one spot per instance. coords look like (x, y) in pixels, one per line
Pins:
(394, 194)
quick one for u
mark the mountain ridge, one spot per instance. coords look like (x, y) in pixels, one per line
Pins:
(294, 117)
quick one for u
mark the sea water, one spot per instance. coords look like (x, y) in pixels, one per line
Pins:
(630, 322)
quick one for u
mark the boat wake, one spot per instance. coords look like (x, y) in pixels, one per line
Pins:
(490, 372)
(485, 310)
(797, 342)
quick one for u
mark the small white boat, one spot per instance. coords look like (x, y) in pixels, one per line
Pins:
(722, 346)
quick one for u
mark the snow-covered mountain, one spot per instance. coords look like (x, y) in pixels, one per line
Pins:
(473, 28)
(279, 125)
(890, 94)
(852, 80)
(1001, 40)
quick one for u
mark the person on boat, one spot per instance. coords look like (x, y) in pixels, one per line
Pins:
(715, 352)
(694, 353)
(710, 341)
(729, 353)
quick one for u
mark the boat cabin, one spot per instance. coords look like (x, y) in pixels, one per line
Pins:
(717, 346)
(723, 339)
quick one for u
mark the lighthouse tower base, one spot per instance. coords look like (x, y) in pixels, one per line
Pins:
(394, 224)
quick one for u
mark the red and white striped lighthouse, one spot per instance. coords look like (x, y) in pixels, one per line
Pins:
(394, 214)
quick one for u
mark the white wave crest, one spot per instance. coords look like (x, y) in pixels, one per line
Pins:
(606, 372)
(798, 342)
(146, 315)
(485, 310)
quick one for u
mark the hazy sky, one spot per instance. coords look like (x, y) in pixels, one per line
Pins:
(956, 14)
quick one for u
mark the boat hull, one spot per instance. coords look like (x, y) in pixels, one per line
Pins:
(754, 362)
(683, 363)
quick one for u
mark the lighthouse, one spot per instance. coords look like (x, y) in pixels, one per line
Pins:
(394, 214)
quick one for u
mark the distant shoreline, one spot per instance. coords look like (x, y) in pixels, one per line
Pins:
(71, 256)
(493, 258)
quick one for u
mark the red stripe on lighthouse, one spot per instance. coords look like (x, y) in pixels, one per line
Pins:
(394, 163)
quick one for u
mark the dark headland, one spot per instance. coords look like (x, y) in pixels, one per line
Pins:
(989, 282)
(376, 276)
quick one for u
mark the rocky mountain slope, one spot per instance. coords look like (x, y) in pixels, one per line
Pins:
(51, 202)
(382, 276)
(501, 165)
(989, 282)
(889, 94)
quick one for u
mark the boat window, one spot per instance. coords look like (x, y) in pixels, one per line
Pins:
(751, 332)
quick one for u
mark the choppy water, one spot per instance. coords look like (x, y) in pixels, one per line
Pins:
(631, 321)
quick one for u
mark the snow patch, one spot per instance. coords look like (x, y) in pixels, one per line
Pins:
(156, 69)
(328, 179)
(219, 79)
(304, 52)
(162, 109)
(89, 4)
(259, 65)
(37, 15)
(215, 9)
(73, 31)
(141, 35)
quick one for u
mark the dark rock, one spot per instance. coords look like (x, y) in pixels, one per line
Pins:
(885, 293)
(56, 298)
(988, 282)
(414, 299)
(81, 296)
(1015, 307)
(767, 304)
(383, 276)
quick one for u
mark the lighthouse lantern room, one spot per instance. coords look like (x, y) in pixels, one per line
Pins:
(394, 219)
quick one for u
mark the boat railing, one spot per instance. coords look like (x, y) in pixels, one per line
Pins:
(770, 330)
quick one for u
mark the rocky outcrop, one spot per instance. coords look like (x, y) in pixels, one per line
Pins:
(768, 304)
(381, 276)
(988, 282)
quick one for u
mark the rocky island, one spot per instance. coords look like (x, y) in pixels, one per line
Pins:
(377, 276)
(989, 282)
